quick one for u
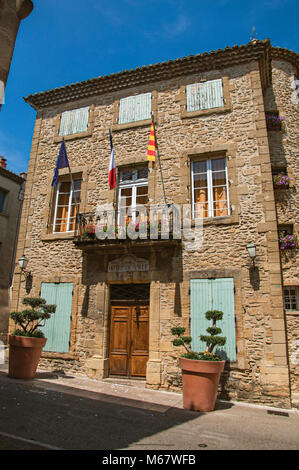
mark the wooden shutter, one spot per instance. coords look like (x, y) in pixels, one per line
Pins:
(213, 294)
(204, 95)
(135, 108)
(80, 120)
(57, 328)
(73, 122)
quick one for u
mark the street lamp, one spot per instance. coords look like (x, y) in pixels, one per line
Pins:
(251, 248)
(23, 261)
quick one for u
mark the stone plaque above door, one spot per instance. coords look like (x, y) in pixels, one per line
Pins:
(128, 263)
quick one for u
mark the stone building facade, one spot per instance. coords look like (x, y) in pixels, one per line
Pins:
(218, 155)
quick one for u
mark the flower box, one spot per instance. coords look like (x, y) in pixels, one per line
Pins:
(287, 241)
(281, 180)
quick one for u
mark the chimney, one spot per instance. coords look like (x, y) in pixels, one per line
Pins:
(3, 162)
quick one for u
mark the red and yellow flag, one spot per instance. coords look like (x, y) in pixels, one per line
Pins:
(151, 149)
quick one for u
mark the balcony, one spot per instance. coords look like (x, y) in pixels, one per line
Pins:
(92, 234)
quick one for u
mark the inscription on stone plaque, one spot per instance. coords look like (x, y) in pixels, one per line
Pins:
(128, 264)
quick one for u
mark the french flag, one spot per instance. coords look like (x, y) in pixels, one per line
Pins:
(112, 165)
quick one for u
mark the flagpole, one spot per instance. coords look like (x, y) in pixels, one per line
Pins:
(158, 154)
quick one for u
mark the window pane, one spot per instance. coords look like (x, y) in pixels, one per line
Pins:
(126, 175)
(218, 164)
(219, 178)
(142, 173)
(220, 201)
(199, 167)
(141, 196)
(201, 208)
(200, 180)
(2, 200)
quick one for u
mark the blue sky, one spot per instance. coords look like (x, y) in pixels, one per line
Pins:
(67, 41)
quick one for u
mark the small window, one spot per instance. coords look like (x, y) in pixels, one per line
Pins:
(204, 95)
(209, 188)
(74, 121)
(3, 195)
(280, 178)
(64, 208)
(135, 108)
(274, 121)
(291, 298)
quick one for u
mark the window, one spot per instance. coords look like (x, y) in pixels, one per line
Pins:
(209, 188)
(280, 178)
(74, 121)
(133, 191)
(3, 195)
(135, 108)
(274, 121)
(64, 210)
(291, 298)
(204, 95)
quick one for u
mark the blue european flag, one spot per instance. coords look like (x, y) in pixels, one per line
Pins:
(61, 162)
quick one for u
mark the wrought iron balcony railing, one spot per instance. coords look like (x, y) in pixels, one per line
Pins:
(90, 229)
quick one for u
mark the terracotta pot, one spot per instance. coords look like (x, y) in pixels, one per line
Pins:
(200, 383)
(24, 355)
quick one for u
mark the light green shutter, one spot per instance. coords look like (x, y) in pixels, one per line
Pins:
(135, 108)
(213, 294)
(74, 121)
(57, 328)
(204, 95)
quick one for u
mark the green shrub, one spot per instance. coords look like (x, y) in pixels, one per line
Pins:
(30, 319)
(211, 340)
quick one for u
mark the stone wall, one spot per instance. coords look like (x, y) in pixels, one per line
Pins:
(260, 373)
(284, 154)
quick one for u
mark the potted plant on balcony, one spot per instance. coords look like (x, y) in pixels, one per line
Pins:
(201, 371)
(27, 341)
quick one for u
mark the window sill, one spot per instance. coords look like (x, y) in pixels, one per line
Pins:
(80, 135)
(129, 125)
(58, 236)
(4, 214)
(226, 220)
(292, 312)
(203, 112)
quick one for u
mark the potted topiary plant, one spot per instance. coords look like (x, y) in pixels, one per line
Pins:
(201, 371)
(27, 341)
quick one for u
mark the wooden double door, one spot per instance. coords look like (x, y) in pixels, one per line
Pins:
(129, 339)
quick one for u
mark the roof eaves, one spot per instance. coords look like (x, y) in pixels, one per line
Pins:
(147, 74)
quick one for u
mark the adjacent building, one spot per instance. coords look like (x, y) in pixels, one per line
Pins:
(12, 188)
(12, 12)
(226, 127)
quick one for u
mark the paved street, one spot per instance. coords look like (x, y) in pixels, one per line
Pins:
(68, 412)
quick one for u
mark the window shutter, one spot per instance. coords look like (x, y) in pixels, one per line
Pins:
(65, 123)
(73, 122)
(57, 327)
(213, 294)
(135, 108)
(80, 120)
(204, 95)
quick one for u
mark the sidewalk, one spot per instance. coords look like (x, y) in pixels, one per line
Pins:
(127, 389)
